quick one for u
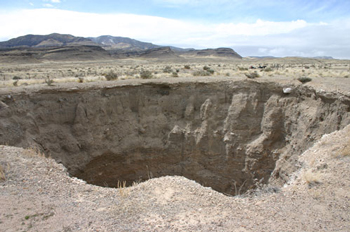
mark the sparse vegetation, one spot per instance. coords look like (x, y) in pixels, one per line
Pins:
(242, 69)
(2, 173)
(145, 74)
(345, 150)
(201, 73)
(311, 178)
(123, 190)
(304, 79)
(81, 80)
(252, 75)
(167, 69)
(175, 74)
(49, 81)
(111, 76)
(206, 68)
(187, 67)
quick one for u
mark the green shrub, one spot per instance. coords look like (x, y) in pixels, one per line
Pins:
(206, 68)
(304, 79)
(175, 74)
(187, 67)
(211, 71)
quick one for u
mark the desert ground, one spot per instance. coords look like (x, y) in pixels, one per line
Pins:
(38, 193)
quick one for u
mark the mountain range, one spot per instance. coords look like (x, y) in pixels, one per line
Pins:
(65, 47)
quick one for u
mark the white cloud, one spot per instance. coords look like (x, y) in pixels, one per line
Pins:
(47, 5)
(52, 1)
(260, 27)
(273, 38)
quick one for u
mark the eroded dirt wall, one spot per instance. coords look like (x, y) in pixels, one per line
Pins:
(222, 134)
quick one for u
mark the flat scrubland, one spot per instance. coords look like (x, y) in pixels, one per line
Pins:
(47, 73)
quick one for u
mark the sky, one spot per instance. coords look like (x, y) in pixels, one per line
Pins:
(306, 28)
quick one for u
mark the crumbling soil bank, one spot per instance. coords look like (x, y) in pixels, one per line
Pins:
(227, 135)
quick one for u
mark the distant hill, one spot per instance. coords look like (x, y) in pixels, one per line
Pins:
(52, 40)
(122, 43)
(323, 57)
(34, 55)
(218, 52)
(163, 52)
(62, 46)
(262, 57)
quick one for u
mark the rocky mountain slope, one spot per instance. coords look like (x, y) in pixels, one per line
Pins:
(122, 43)
(51, 40)
(26, 48)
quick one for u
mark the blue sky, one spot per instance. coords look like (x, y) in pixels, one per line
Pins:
(251, 27)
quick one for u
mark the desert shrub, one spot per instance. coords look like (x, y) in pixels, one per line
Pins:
(49, 81)
(167, 69)
(15, 83)
(252, 75)
(211, 71)
(201, 73)
(187, 67)
(175, 74)
(81, 80)
(227, 74)
(206, 68)
(268, 69)
(304, 79)
(145, 74)
(242, 69)
(111, 75)
(16, 78)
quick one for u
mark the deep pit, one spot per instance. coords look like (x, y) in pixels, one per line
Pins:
(226, 135)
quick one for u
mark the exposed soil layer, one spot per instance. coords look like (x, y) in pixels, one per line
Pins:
(226, 135)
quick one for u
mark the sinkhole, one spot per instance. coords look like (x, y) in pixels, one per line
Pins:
(227, 135)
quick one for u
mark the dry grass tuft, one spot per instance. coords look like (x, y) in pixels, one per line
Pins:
(345, 151)
(2, 173)
(34, 152)
(312, 178)
(123, 190)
